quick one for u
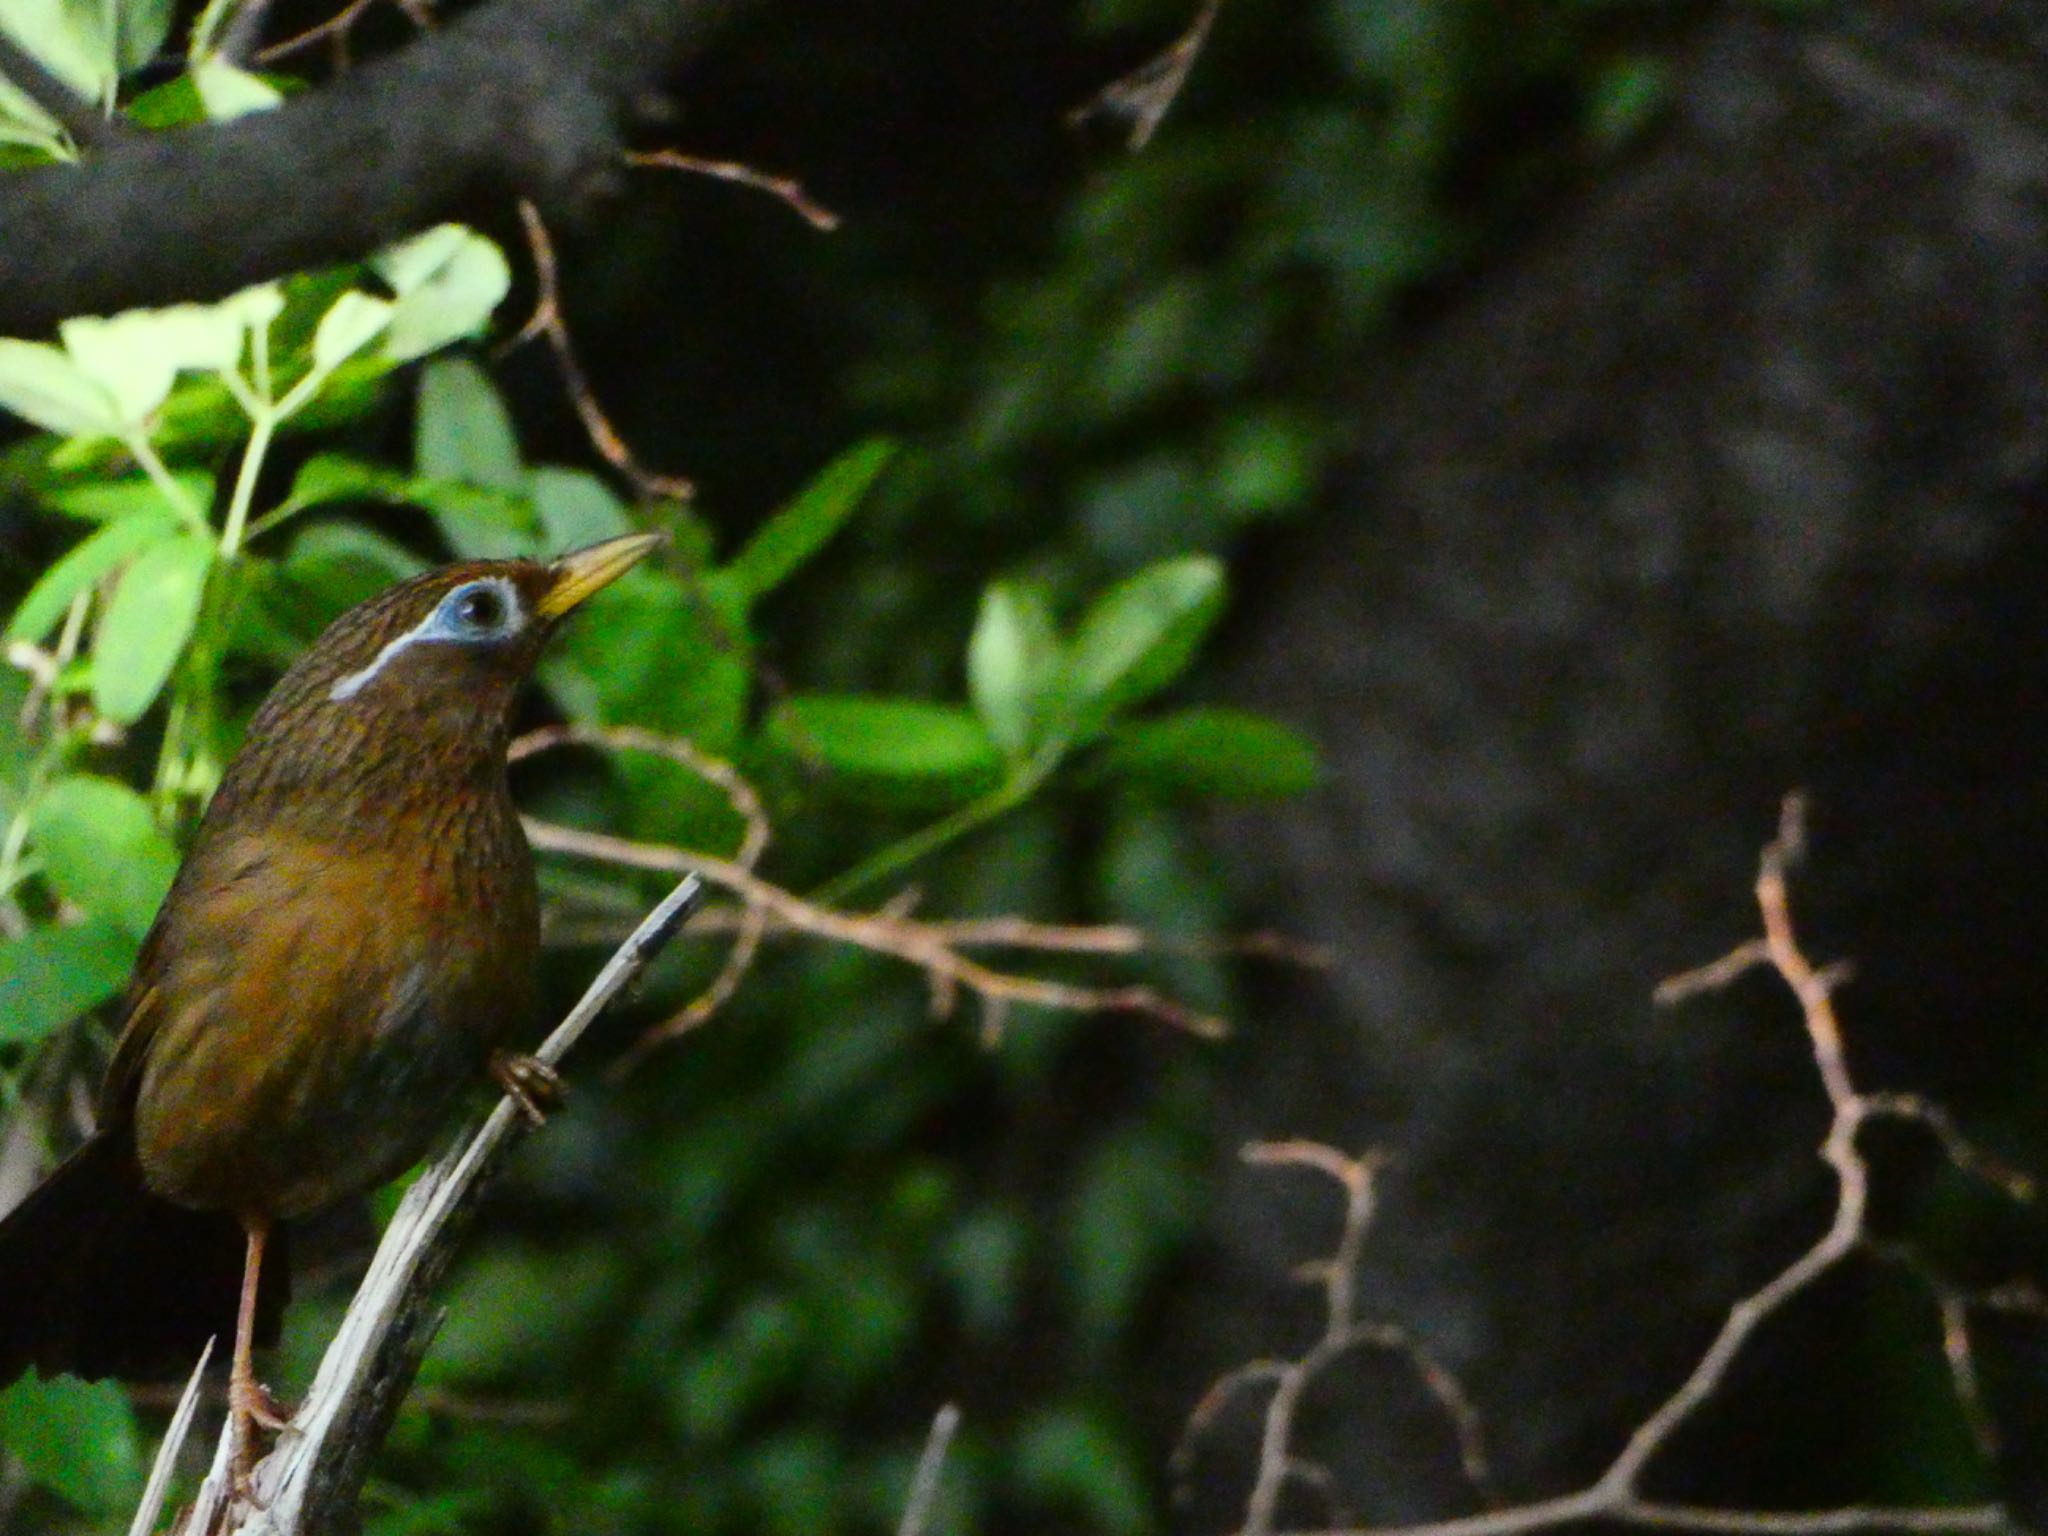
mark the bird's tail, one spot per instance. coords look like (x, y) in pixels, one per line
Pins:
(98, 1277)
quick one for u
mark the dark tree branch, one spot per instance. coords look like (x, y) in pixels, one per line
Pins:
(517, 98)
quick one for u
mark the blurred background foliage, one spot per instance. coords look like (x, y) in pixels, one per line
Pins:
(728, 1292)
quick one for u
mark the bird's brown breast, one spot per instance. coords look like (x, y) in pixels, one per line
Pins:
(311, 1005)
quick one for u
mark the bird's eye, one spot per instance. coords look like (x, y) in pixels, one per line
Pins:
(479, 609)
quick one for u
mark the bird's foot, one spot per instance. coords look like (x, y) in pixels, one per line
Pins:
(252, 1408)
(533, 1085)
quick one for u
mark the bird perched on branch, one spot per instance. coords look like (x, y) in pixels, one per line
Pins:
(348, 948)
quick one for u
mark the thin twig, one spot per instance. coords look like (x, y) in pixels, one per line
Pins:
(1145, 95)
(948, 972)
(924, 1483)
(547, 320)
(785, 189)
(752, 925)
(311, 1478)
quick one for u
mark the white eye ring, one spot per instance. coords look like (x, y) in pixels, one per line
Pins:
(485, 609)
(476, 613)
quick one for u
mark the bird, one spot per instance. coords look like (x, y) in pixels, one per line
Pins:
(346, 950)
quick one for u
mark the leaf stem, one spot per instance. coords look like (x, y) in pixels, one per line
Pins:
(261, 426)
(1020, 786)
(160, 476)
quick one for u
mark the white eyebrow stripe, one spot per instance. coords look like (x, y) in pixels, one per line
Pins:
(355, 682)
(429, 628)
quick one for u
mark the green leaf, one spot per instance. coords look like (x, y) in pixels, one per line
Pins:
(1067, 1456)
(1138, 637)
(576, 508)
(646, 650)
(174, 104)
(796, 533)
(140, 29)
(1137, 1201)
(147, 623)
(24, 123)
(230, 92)
(324, 546)
(1221, 752)
(45, 387)
(71, 39)
(102, 850)
(464, 431)
(85, 564)
(1013, 661)
(891, 739)
(49, 976)
(75, 1438)
(136, 356)
(333, 477)
(354, 321)
(448, 282)
(109, 501)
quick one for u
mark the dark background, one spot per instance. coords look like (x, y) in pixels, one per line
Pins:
(1616, 415)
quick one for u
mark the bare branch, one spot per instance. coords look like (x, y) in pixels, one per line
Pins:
(948, 971)
(1616, 1495)
(547, 320)
(1144, 96)
(786, 189)
(513, 98)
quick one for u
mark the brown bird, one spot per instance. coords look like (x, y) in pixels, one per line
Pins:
(347, 949)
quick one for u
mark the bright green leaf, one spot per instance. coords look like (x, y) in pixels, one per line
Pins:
(796, 533)
(1222, 752)
(331, 566)
(647, 651)
(85, 564)
(136, 356)
(230, 92)
(23, 122)
(75, 1438)
(448, 282)
(1013, 660)
(1138, 637)
(174, 104)
(109, 501)
(44, 386)
(901, 739)
(71, 39)
(102, 850)
(147, 623)
(49, 976)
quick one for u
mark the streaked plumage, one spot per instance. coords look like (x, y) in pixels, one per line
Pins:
(350, 938)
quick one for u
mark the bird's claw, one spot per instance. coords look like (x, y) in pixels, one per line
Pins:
(253, 1408)
(531, 1083)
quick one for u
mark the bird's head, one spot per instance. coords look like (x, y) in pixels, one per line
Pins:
(469, 631)
(423, 674)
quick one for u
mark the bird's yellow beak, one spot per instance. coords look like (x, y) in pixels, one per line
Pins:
(579, 574)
